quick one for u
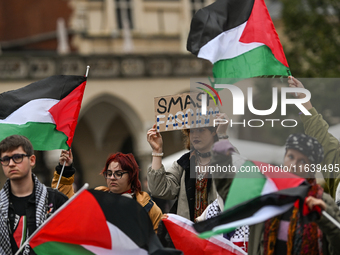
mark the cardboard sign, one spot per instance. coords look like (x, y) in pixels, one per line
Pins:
(183, 111)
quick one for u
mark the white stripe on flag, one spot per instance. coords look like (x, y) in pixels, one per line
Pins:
(261, 215)
(121, 244)
(215, 49)
(33, 111)
(217, 240)
(269, 187)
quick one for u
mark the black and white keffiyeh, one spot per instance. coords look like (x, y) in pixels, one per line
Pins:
(41, 200)
(239, 235)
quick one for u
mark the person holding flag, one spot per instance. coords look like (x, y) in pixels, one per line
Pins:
(67, 179)
(315, 126)
(121, 173)
(25, 203)
(291, 232)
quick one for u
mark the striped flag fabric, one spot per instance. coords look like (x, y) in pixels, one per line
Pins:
(96, 222)
(46, 111)
(254, 197)
(181, 229)
(239, 39)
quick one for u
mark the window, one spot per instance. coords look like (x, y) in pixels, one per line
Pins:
(124, 12)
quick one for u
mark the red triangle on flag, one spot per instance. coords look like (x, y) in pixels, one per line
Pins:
(260, 29)
(185, 238)
(92, 227)
(65, 113)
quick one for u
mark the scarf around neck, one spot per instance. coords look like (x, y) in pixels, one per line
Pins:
(41, 200)
(303, 237)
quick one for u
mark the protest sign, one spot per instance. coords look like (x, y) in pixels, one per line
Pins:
(183, 111)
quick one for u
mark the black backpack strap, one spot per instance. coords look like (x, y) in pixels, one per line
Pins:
(148, 206)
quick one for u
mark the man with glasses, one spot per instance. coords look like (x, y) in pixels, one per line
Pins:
(25, 203)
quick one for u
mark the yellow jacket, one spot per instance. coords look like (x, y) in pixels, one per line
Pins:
(65, 185)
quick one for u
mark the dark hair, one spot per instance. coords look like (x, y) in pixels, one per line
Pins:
(13, 142)
(128, 163)
(186, 133)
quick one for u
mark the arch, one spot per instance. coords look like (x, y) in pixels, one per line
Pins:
(133, 121)
(106, 124)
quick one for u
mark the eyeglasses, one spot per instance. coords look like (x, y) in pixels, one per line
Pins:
(117, 174)
(17, 159)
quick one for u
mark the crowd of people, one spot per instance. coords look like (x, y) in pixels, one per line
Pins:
(198, 194)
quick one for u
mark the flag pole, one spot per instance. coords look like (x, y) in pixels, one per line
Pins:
(87, 71)
(330, 218)
(62, 169)
(85, 187)
(61, 174)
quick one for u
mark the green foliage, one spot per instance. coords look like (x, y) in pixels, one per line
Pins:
(313, 29)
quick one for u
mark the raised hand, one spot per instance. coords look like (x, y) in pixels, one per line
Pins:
(66, 156)
(155, 139)
(295, 83)
(222, 128)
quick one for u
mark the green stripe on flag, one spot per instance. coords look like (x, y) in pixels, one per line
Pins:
(56, 248)
(43, 136)
(252, 182)
(257, 62)
(245, 186)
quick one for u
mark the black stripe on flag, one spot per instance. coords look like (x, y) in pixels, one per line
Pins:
(216, 18)
(54, 87)
(248, 208)
(132, 219)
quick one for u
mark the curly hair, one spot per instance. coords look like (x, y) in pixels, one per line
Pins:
(128, 163)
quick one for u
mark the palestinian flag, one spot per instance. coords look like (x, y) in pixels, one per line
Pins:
(97, 222)
(254, 197)
(181, 229)
(46, 111)
(238, 37)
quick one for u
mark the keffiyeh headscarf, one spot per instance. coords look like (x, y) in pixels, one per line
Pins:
(307, 145)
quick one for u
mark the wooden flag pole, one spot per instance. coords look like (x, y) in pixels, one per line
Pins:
(62, 169)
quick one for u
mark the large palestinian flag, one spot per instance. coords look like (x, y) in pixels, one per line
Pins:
(46, 111)
(239, 38)
(254, 197)
(97, 222)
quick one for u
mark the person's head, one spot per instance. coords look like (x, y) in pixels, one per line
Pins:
(302, 151)
(201, 139)
(122, 173)
(17, 157)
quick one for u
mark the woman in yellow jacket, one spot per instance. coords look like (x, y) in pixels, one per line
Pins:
(121, 173)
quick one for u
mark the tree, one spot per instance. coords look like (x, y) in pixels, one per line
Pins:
(312, 27)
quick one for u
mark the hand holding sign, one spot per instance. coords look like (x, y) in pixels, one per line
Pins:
(155, 139)
(222, 120)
